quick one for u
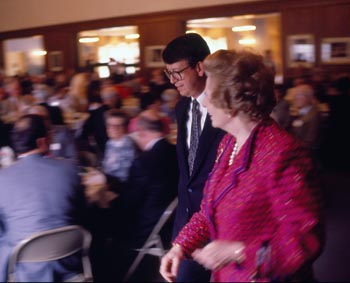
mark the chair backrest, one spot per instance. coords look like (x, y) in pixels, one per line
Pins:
(153, 245)
(53, 245)
(164, 217)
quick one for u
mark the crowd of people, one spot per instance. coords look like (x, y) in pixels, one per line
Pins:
(241, 154)
(90, 125)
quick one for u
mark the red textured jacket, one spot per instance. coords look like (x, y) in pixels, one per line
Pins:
(270, 194)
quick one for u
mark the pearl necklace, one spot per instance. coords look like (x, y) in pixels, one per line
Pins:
(233, 154)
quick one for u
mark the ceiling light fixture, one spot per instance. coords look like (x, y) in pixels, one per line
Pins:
(247, 41)
(243, 28)
(132, 36)
(88, 39)
(39, 53)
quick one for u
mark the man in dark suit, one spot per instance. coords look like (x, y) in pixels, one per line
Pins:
(37, 193)
(41, 93)
(94, 127)
(151, 187)
(183, 57)
(153, 180)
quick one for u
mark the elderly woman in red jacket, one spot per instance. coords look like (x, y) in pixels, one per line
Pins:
(260, 216)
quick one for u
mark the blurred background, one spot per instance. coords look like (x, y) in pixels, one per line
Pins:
(304, 42)
(38, 35)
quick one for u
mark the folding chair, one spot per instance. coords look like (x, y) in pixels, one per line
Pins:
(53, 245)
(153, 245)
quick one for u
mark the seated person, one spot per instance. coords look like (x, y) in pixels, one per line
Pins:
(170, 97)
(151, 103)
(94, 136)
(281, 112)
(42, 95)
(37, 194)
(306, 124)
(120, 148)
(103, 211)
(62, 143)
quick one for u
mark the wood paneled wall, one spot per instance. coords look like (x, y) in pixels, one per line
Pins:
(322, 18)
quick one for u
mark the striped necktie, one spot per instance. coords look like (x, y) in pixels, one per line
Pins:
(195, 133)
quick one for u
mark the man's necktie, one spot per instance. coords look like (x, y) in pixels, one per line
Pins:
(195, 133)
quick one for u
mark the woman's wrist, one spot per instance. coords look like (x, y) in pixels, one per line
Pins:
(177, 245)
(177, 248)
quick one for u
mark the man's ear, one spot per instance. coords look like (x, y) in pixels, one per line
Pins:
(200, 69)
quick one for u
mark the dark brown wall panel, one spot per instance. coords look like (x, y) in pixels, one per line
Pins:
(321, 19)
(65, 42)
(335, 20)
(158, 33)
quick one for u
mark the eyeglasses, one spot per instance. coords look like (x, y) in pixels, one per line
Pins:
(177, 75)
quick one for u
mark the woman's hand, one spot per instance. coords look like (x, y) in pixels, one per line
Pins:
(169, 265)
(218, 254)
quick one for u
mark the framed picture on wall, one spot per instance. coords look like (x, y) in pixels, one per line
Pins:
(154, 56)
(55, 61)
(301, 50)
(335, 50)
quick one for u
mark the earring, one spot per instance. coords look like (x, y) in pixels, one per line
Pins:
(229, 113)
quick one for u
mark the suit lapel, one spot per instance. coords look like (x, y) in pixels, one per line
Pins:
(206, 139)
(182, 132)
(205, 142)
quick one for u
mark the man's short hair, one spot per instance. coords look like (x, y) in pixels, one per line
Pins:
(153, 125)
(191, 47)
(26, 131)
